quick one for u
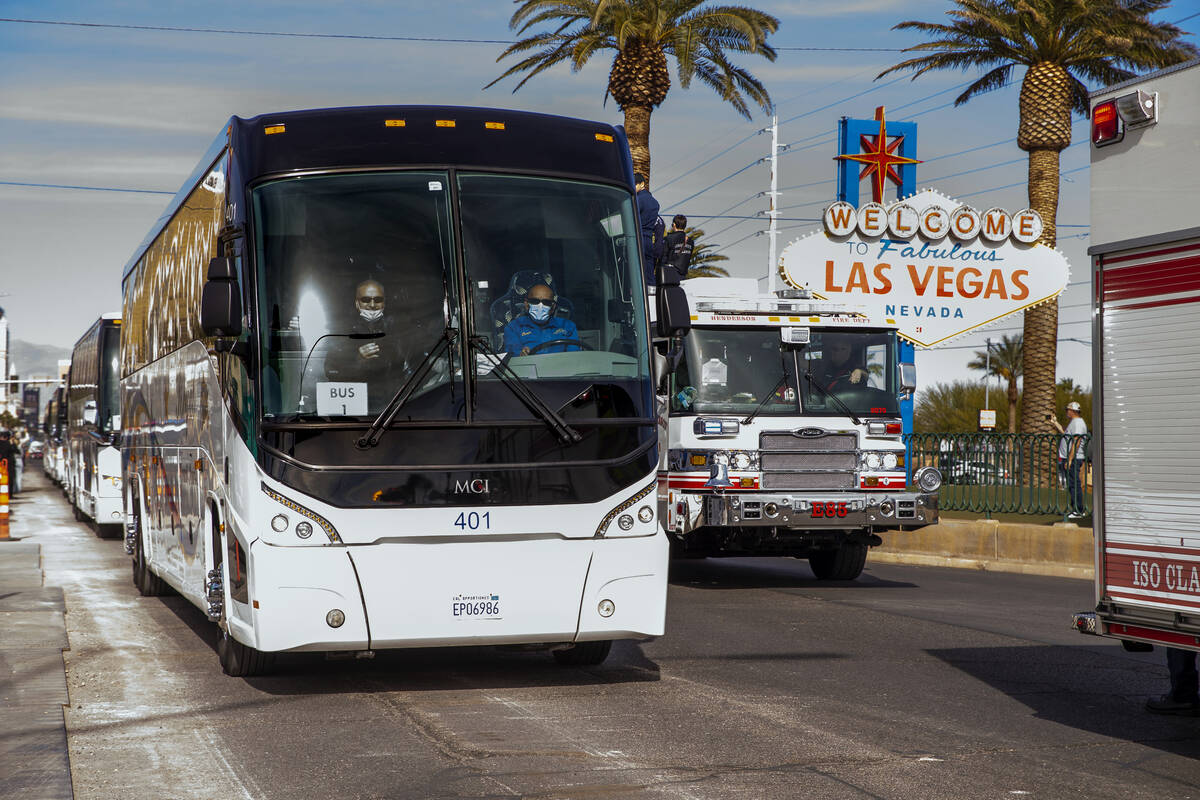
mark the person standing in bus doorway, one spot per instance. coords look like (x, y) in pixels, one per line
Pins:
(648, 220)
(538, 324)
(679, 246)
(1184, 697)
(1070, 457)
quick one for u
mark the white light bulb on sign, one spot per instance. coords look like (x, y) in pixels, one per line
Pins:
(903, 221)
(995, 225)
(841, 218)
(1027, 226)
(935, 223)
(872, 220)
(964, 223)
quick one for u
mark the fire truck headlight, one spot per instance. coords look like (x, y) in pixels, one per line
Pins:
(872, 460)
(742, 460)
(889, 461)
(929, 479)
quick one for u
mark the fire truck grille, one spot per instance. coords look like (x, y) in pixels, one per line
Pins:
(801, 462)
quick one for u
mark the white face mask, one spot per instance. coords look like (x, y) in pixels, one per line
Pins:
(539, 313)
(370, 315)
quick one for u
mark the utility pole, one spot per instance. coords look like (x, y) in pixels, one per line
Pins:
(987, 373)
(773, 207)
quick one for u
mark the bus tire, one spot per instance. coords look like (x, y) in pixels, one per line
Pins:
(242, 661)
(584, 654)
(844, 564)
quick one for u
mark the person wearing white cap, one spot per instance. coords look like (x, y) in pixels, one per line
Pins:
(1070, 457)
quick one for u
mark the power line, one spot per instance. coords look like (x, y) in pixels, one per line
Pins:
(85, 188)
(238, 32)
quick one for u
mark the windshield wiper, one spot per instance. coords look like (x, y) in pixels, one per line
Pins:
(517, 385)
(813, 382)
(373, 434)
(763, 403)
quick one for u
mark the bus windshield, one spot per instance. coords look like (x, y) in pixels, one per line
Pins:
(109, 413)
(361, 292)
(739, 370)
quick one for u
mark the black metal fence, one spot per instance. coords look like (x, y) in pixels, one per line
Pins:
(1011, 473)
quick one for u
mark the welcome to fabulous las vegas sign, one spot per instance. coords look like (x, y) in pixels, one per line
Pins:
(938, 268)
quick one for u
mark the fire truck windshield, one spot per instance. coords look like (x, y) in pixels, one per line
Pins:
(737, 370)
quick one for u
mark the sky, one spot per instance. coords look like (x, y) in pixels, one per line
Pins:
(127, 111)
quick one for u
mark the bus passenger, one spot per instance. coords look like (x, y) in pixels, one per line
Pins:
(367, 349)
(538, 325)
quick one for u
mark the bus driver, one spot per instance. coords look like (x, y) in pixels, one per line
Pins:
(538, 325)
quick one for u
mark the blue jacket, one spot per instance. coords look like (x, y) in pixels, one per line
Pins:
(524, 332)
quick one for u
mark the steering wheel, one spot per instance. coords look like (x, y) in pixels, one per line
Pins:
(576, 342)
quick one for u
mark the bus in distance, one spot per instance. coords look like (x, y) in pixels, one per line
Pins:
(386, 384)
(92, 472)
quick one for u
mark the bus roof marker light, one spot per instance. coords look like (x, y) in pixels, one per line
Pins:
(604, 137)
(444, 123)
(393, 123)
(271, 129)
(494, 126)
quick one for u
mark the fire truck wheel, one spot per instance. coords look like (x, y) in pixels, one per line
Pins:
(844, 564)
(584, 654)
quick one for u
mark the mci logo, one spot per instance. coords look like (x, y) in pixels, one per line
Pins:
(476, 486)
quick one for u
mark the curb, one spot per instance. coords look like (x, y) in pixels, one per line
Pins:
(1062, 550)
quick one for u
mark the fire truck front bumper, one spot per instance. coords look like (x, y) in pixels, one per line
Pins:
(821, 510)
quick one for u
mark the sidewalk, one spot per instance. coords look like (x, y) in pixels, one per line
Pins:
(34, 763)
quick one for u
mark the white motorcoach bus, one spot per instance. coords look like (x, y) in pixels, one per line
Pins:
(92, 469)
(386, 384)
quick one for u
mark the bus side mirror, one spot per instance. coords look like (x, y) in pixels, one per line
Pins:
(908, 377)
(674, 318)
(221, 300)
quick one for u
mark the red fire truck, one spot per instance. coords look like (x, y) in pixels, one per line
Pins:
(1145, 235)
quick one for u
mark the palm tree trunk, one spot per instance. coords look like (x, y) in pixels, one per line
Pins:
(1041, 322)
(1012, 405)
(637, 129)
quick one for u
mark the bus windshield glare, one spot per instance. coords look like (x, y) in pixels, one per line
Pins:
(361, 292)
(739, 370)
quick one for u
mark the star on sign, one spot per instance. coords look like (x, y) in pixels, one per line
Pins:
(879, 157)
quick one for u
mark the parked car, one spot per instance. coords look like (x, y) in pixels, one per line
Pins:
(34, 450)
(978, 473)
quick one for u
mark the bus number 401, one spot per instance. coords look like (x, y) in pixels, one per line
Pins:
(474, 521)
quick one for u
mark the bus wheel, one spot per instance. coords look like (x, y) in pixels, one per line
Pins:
(844, 564)
(584, 654)
(240, 660)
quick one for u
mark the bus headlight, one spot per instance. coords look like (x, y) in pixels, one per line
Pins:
(611, 516)
(322, 523)
(304, 530)
(279, 523)
(645, 513)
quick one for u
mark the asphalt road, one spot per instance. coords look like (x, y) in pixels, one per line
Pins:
(912, 682)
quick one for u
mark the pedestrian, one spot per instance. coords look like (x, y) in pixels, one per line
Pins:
(650, 223)
(679, 246)
(8, 452)
(1070, 457)
(1184, 697)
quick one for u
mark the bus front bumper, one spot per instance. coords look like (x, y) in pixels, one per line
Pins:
(397, 595)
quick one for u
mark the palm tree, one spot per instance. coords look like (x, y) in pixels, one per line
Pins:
(1005, 363)
(643, 33)
(704, 258)
(1058, 42)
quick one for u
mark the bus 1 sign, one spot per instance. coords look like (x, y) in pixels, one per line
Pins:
(937, 273)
